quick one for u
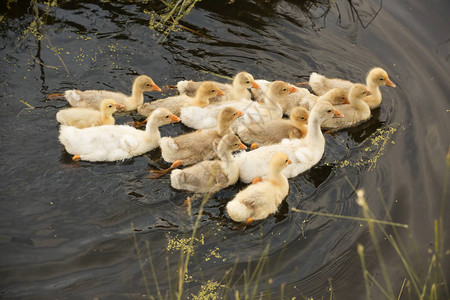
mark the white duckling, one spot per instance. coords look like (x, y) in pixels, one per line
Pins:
(194, 147)
(212, 175)
(201, 118)
(375, 78)
(257, 201)
(206, 91)
(304, 153)
(114, 142)
(274, 131)
(354, 113)
(307, 100)
(81, 117)
(93, 98)
(237, 90)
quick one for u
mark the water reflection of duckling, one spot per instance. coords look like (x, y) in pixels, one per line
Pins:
(237, 90)
(93, 98)
(194, 147)
(375, 78)
(212, 175)
(274, 131)
(354, 113)
(206, 91)
(81, 117)
(259, 200)
(114, 142)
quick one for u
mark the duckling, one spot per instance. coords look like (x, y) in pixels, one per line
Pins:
(114, 142)
(375, 78)
(211, 176)
(87, 117)
(194, 147)
(201, 118)
(274, 131)
(257, 201)
(354, 113)
(304, 98)
(93, 98)
(206, 91)
(237, 90)
(304, 153)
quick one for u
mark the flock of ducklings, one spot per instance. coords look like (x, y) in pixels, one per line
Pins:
(224, 114)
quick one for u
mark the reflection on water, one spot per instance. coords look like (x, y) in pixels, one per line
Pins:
(66, 227)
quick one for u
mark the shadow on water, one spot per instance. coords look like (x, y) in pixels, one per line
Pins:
(65, 226)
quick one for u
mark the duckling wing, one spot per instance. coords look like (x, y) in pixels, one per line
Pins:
(199, 118)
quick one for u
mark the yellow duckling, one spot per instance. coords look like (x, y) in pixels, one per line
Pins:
(274, 131)
(375, 78)
(354, 113)
(237, 90)
(210, 176)
(93, 98)
(87, 117)
(194, 147)
(206, 91)
(257, 201)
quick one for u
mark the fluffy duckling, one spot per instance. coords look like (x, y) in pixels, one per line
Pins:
(93, 98)
(375, 78)
(88, 117)
(194, 147)
(304, 153)
(257, 201)
(354, 113)
(114, 142)
(304, 98)
(274, 131)
(237, 90)
(206, 91)
(212, 175)
(201, 118)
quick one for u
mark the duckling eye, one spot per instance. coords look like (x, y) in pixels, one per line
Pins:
(381, 78)
(284, 90)
(248, 81)
(109, 105)
(148, 84)
(212, 91)
(286, 160)
(329, 110)
(235, 144)
(363, 92)
(167, 117)
(343, 98)
(302, 118)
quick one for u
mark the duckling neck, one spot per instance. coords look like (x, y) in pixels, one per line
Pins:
(106, 117)
(240, 92)
(223, 128)
(152, 129)
(199, 100)
(314, 131)
(276, 176)
(225, 155)
(137, 96)
(374, 89)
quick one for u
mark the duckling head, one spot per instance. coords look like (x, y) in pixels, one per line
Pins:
(163, 116)
(323, 111)
(299, 115)
(229, 114)
(337, 96)
(279, 89)
(245, 80)
(208, 90)
(146, 84)
(109, 106)
(358, 92)
(380, 77)
(231, 142)
(279, 161)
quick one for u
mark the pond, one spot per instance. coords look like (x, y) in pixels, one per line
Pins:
(105, 231)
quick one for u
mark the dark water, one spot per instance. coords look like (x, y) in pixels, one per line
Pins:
(66, 227)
